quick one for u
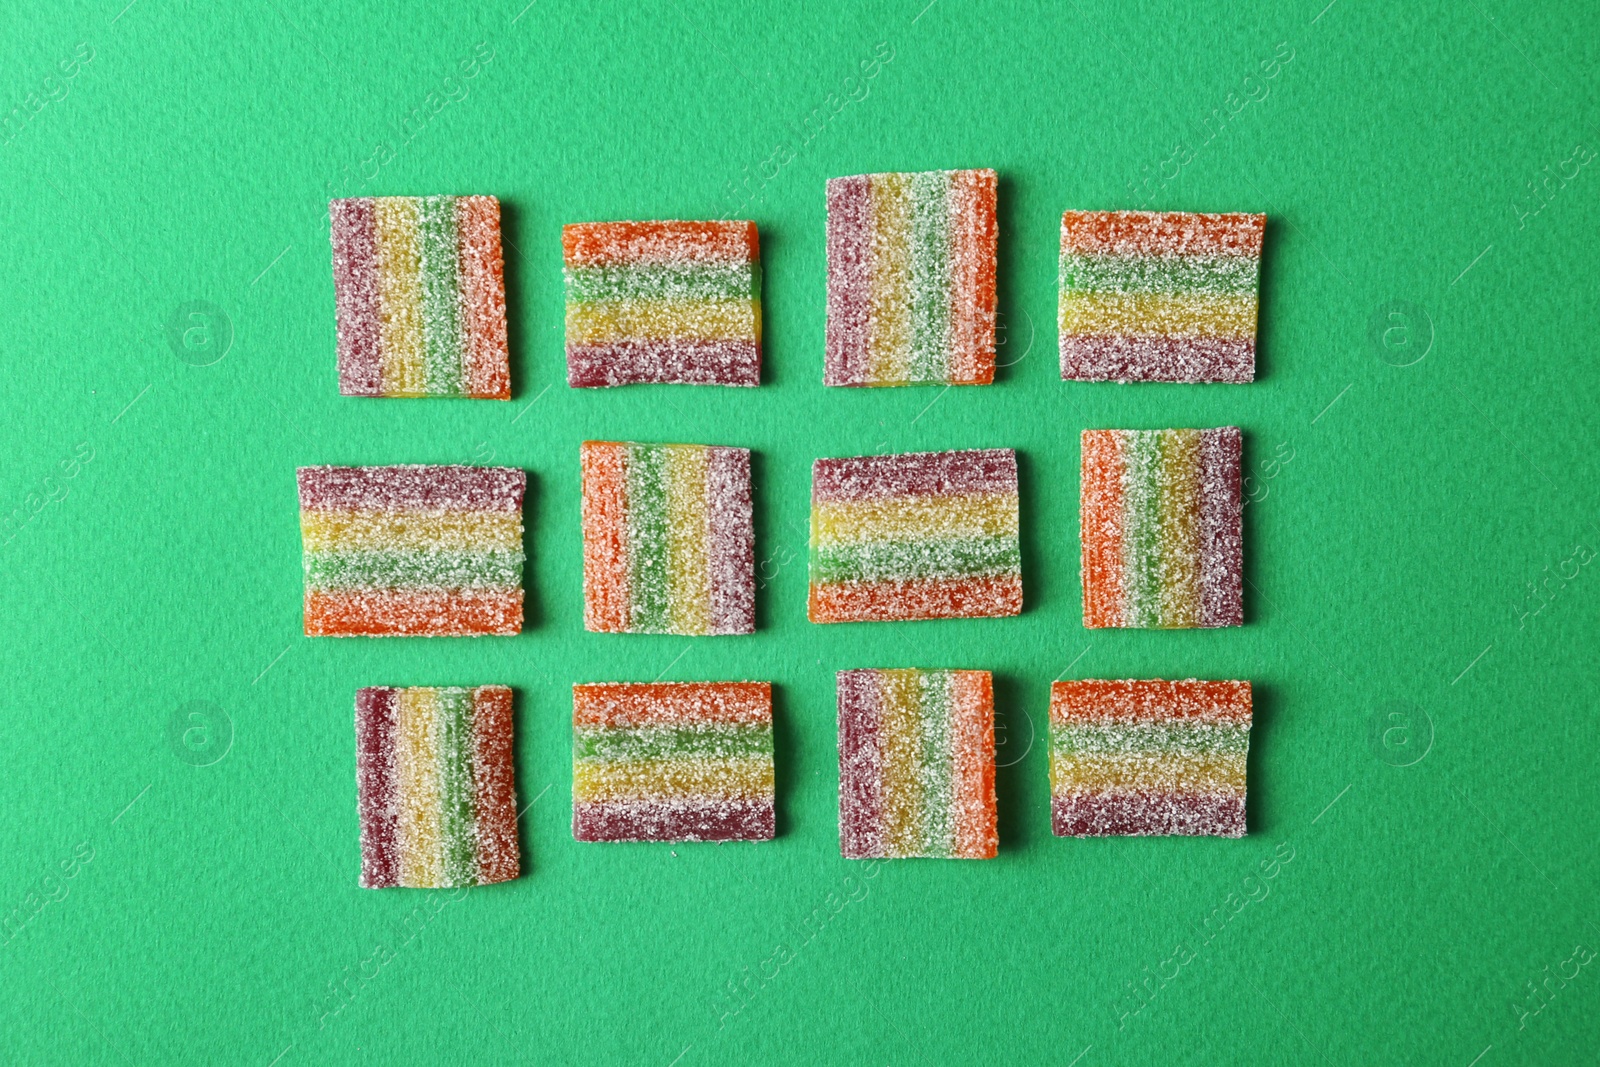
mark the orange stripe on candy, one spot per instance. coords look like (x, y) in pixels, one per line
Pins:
(605, 542)
(1128, 233)
(972, 275)
(972, 745)
(1101, 535)
(613, 705)
(927, 598)
(379, 613)
(481, 272)
(639, 243)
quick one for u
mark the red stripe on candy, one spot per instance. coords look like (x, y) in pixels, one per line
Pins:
(376, 786)
(732, 541)
(846, 360)
(690, 820)
(1101, 358)
(355, 295)
(1221, 536)
(412, 488)
(680, 361)
(860, 765)
(989, 470)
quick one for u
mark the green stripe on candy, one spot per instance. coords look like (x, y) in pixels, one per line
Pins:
(937, 764)
(650, 584)
(441, 332)
(1216, 275)
(897, 560)
(457, 797)
(1154, 739)
(1141, 539)
(930, 277)
(413, 570)
(725, 741)
(663, 281)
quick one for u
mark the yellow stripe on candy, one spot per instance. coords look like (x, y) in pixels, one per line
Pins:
(1148, 774)
(909, 517)
(606, 321)
(417, 756)
(696, 779)
(1178, 487)
(396, 220)
(688, 531)
(1158, 314)
(351, 531)
(899, 694)
(889, 316)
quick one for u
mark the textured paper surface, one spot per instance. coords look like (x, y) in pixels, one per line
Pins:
(219, 919)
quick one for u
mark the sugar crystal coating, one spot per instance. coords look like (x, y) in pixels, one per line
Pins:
(1161, 528)
(412, 550)
(672, 761)
(437, 787)
(911, 266)
(1159, 296)
(921, 535)
(1148, 757)
(674, 302)
(916, 764)
(419, 295)
(668, 541)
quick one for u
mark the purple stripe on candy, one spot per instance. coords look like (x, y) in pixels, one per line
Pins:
(1221, 536)
(845, 361)
(355, 296)
(412, 488)
(690, 820)
(988, 470)
(681, 361)
(732, 549)
(860, 765)
(376, 785)
(1145, 358)
(1106, 815)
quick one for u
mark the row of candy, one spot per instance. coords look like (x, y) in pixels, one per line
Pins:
(693, 761)
(1144, 296)
(669, 544)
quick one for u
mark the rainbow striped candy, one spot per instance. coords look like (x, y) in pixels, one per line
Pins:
(437, 786)
(916, 764)
(1152, 296)
(412, 550)
(420, 296)
(672, 761)
(668, 541)
(922, 535)
(1140, 758)
(1160, 523)
(911, 262)
(676, 302)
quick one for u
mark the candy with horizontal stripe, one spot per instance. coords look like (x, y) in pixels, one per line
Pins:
(672, 761)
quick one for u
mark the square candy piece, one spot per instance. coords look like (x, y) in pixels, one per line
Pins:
(1145, 758)
(675, 302)
(1159, 296)
(668, 541)
(1160, 521)
(672, 761)
(437, 785)
(420, 294)
(916, 764)
(911, 279)
(923, 535)
(412, 551)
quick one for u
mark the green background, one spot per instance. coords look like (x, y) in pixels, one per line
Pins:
(1423, 750)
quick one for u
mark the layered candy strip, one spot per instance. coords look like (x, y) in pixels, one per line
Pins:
(1142, 758)
(420, 296)
(676, 302)
(668, 541)
(916, 764)
(1152, 296)
(672, 761)
(911, 262)
(923, 535)
(412, 550)
(437, 786)
(1160, 522)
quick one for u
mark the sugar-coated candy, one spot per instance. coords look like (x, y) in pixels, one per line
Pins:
(1152, 296)
(412, 550)
(1161, 528)
(1151, 757)
(672, 761)
(420, 296)
(676, 302)
(437, 786)
(916, 764)
(922, 535)
(668, 542)
(911, 262)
